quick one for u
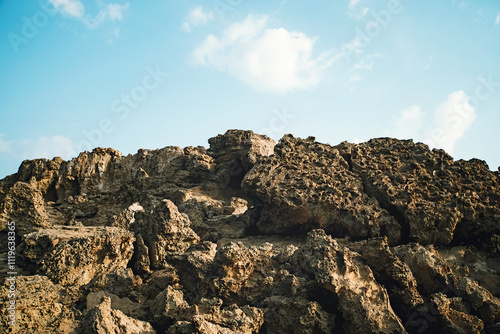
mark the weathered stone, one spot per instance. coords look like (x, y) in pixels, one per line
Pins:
(432, 272)
(296, 315)
(75, 255)
(221, 247)
(40, 306)
(364, 303)
(102, 319)
(433, 196)
(244, 148)
(394, 274)
(24, 205)
(164, 230)
(140, 259)
(307, 185)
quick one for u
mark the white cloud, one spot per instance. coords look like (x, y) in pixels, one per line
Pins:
(73, 8)
(42, 147)
(497, 19)
(353, 3)
(265, 59)
(49, 147)
(5, 146)
(452, 119)
(356, 140)
(364, 64)
(408, 124)
(110, 12)
(355, 77)
(197, 17)
(429, 63)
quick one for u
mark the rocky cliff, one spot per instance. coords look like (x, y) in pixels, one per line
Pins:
(250, 236)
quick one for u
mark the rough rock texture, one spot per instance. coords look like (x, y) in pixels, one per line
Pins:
(432, 196)
(102, 319)
(307, 185)
(75, 255)
(41, 306)
(364, 303)
(249, 236)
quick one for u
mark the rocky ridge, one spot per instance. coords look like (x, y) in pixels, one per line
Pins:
(250, 236)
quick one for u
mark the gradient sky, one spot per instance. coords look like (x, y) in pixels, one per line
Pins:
(78, 74)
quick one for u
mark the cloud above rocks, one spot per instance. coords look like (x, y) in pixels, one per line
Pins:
(267, 59)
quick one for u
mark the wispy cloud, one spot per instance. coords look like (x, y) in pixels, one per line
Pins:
(110, 12)
(75, 8)
(353, 3)
(42, 147)
(197, 17)
(265, 59)
(5, 146)
(497, 19)
(429, 63)
(451, 119)
(357, 12)
(408, 124)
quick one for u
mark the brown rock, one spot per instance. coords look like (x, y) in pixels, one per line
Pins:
(24, 205)
(75, 255)
(102, 319)
(40, 306)
(307, 185)
(363, 302)
(165, 230)
(431, 194)
(296, 315)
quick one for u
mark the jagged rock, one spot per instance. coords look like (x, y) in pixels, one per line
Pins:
(164, 230)
(170, 305)
(296, 315)
(128, 307)
(391, 272)
(452, 319)
(307, 185)
(120, 281)
(241, 272)
(140, 259)
(40, 306)
(102, 319)
(410, 237)
(194, 265)
(363, 302)
(206, 316)
(474, 264)
(239, 150)
(213, 219)
(25, 206)
(432, 272)
(481, 300)
(75, 255)
(209, 318)
(433, 196)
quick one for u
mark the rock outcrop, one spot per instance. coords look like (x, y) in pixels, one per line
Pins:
(250, 236)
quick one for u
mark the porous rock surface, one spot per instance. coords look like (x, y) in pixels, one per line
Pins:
(250, 236)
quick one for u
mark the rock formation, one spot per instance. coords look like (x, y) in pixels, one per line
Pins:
(250, 236)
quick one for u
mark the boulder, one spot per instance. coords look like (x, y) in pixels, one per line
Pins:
(75, 255)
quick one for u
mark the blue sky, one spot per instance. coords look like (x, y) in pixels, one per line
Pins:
(78, 74)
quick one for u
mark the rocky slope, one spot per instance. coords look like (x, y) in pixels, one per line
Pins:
(250, 236)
